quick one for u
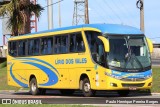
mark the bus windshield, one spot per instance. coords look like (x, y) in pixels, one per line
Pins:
(128, 52)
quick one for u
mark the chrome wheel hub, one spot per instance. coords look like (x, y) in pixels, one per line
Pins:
(33, 87)
(87, 87)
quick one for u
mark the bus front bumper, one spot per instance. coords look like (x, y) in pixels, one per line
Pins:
(115, 84)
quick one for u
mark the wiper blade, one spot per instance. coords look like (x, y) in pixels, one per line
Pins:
(137, 60)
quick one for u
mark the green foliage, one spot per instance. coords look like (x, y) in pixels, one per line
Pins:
(3, 64)
(19, 13)
(3, 80)
(156, 80)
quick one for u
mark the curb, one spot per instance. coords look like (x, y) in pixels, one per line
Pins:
(155, 93)
(8, 91)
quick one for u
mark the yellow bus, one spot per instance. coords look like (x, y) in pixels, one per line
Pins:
(87, 57)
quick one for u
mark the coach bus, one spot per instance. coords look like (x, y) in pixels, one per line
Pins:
(88, 57)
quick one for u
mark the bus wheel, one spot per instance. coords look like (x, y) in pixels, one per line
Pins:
(86, 88)
(33, 87)
(149, 92)
(67, 91)
(123, 92)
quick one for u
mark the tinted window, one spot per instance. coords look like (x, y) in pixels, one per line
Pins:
(22, 45)
(33, 46)
(13, 48)
(46, 45)
(57, 47)
(76, 43)
(61, 44)
(96, 47)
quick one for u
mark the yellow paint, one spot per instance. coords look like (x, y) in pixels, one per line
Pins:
(69, 74)
(105, 42)
(150, 45)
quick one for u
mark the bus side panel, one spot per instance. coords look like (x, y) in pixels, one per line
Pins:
(19, 72)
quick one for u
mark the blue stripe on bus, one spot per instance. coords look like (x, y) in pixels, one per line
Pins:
(16, 80)
(104, 28)
(53, 78)
(35, 59)
(132, 75)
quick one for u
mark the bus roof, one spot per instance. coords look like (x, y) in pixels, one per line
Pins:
(104, 28)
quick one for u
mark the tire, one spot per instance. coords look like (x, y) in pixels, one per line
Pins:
(86, 88)
(67, 92)
(149, 92)
(123, 93)
(33, 87)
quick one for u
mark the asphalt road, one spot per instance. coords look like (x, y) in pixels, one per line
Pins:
(102, 98)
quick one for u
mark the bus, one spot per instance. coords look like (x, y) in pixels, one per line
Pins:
(89, 57)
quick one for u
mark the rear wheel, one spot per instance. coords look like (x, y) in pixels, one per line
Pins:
(86, 88)
(33, 87)
(123, 92)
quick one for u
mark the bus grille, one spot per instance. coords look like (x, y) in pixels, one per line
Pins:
(132, 85)
(133, 79)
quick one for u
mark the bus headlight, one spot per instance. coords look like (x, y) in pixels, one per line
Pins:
(113, 76)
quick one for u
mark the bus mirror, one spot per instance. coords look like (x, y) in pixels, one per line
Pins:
(105, 42)
(150, 45)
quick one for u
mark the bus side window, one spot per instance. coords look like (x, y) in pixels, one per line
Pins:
(13, 48)
(50, 45)
(22, 48)
(64, 44)
(76, 43)
(72, 43)
(80, 43)
(46, 45)
(96, 48)
(30, 47)
(57, 46)
(37, 46)
(33, 46)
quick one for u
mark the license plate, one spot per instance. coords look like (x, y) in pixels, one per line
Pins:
(132, 88)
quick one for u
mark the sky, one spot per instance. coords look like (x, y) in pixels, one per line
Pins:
(106, 11)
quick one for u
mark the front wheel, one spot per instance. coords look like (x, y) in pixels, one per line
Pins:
(33, 87)
(86, 88)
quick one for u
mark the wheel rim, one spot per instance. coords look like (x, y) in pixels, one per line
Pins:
(33, 87)
(87, 87)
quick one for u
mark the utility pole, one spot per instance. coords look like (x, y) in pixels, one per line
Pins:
(59, 14)
(81, 14)
(140, 5)
(86, 12)
(33, 19)
(50, 14)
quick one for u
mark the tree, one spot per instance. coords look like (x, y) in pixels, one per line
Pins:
(19, 13)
